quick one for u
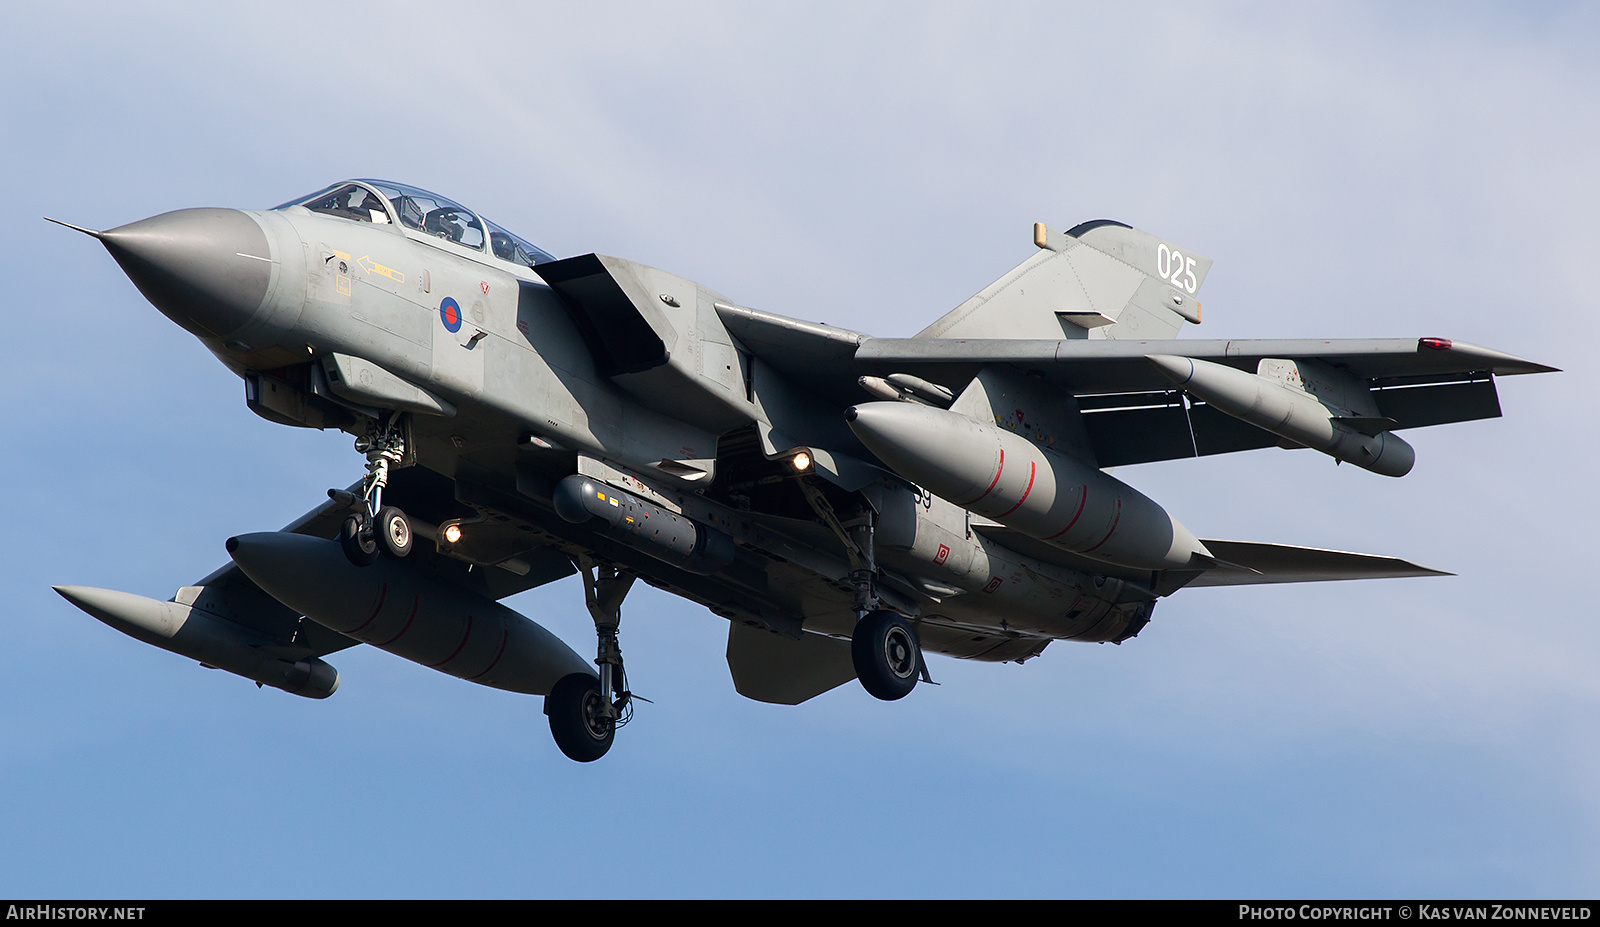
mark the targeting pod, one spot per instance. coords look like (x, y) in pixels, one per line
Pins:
(643, 525)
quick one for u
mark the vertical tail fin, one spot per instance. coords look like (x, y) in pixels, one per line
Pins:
(1100, 279)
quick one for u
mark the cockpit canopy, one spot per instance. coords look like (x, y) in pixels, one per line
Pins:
(380, 201)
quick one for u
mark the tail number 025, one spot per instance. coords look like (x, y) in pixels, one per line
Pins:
(1175, 268)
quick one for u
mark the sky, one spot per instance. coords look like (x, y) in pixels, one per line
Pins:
(1354, 170)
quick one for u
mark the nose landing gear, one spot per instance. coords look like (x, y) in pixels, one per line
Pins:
(376, 528)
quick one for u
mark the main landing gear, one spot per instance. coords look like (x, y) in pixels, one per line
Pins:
(883, 647)
(376, 528)
(584, 711)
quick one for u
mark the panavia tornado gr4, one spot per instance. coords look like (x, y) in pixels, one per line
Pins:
(848, 503)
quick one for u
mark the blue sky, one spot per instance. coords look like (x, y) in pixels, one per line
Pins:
(1353, 170)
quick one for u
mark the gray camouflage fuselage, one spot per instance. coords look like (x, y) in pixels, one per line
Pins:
(534, 397)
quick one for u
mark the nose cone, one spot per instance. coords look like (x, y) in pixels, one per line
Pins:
(206, 269)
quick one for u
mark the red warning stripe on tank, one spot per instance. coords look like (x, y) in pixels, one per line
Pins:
(1114, 519)
(465, 636)
(383, 594)
(992, 483)
(1024, 492)
(505, 638)
(405, 627)
(1082, 500)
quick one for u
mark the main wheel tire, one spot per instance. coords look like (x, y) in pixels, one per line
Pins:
(886, 654)
(394, 532)
(356, 537)
(574, 706)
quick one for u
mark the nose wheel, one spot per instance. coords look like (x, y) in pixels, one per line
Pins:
(359, 541)
(394, 532)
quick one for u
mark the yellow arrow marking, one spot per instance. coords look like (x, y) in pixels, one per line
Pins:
(373, 267)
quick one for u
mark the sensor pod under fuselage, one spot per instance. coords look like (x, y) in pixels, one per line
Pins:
(643, 525)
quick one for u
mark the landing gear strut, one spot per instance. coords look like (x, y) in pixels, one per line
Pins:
(883, 646)
(376, 528)
(585, 712)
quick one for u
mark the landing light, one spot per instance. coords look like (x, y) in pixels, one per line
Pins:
(452, 533)
(801, 461)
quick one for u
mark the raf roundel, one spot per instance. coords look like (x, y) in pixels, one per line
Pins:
(450, 314)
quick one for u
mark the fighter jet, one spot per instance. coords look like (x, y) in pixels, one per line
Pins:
(849, 503)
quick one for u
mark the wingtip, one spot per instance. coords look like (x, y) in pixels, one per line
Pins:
(1498, 362)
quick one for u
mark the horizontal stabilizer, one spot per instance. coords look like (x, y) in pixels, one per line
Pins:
(1247, 562)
